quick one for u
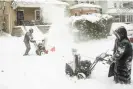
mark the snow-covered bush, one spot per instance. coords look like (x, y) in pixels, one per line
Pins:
(92, 26)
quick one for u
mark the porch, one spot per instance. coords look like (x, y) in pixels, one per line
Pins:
(28, 16)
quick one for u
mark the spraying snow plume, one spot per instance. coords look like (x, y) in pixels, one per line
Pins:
(58, 35)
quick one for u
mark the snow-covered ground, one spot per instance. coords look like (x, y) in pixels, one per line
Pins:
(48, 71)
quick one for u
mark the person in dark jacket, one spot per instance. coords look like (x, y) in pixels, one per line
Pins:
(122, 57)
(27, 39)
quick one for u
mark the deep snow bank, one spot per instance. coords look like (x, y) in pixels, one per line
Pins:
(48, 71)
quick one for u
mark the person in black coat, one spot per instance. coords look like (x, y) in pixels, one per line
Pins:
(27, 39)
(122, 57)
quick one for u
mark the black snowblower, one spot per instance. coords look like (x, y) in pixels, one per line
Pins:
(82, 69)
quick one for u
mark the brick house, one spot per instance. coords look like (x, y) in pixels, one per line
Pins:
(84, 8)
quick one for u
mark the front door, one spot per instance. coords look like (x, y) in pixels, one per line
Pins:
(20, 17)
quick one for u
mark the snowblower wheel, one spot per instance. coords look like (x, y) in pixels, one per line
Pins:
(81, 76)
(39, 52)
(42, 53)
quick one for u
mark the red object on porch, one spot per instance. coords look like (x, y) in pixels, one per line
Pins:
(52, 49)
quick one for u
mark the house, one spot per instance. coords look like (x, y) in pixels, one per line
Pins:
(26, 11)
(122, 10)
(22, 12)
(101, 3)
(84, 8)
(11, 16)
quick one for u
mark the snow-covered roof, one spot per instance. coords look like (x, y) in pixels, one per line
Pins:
(117, 11)
(81, 5)
(34, 3)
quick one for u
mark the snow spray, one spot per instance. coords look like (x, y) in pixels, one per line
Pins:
(58, 34)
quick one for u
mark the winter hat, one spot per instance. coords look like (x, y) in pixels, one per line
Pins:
(121, 33)
(31, 30)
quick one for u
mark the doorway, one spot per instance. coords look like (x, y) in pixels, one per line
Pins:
(20, 17)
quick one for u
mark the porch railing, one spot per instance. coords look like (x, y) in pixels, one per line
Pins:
(30, 23)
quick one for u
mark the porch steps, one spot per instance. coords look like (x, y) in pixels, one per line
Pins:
(17, 31)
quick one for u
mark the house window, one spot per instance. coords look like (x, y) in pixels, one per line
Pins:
(120, 5)
(92, 2)
(115, 5)
(117, 18)
(76, 1)
(87, 2)
(37, 15)
(76, 14)
(128, 4)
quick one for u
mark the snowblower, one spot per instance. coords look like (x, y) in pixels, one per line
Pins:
(40, 48)
(82, 69)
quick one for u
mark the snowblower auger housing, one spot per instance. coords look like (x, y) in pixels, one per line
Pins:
(40, 48)
(83, 68)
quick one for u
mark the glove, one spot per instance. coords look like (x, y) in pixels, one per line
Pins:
(99, 58)
(111, 60)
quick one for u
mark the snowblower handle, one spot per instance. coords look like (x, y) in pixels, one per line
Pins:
(98, 58)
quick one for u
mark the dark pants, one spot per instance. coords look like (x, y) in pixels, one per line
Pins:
(27, 44)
